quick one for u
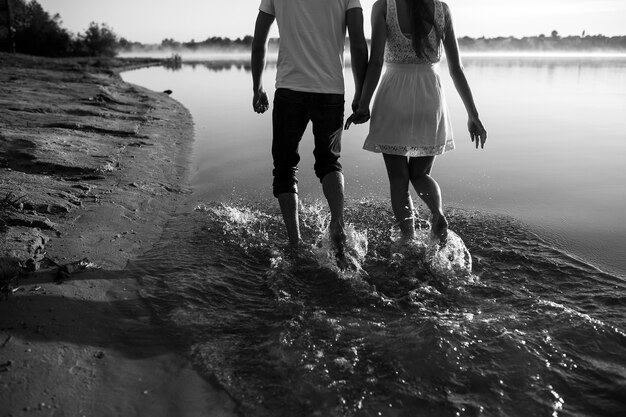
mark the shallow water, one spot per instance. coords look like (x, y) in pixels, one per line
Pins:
(406, 330)
(516, 316)
(554, 157)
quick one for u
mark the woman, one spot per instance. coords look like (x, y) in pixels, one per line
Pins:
(410, 123)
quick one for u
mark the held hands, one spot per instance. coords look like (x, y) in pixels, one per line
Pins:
(477, 132)
(358, 117)
(260, 103)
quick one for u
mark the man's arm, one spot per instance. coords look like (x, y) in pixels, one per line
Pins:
(262, 27)
(358, 50)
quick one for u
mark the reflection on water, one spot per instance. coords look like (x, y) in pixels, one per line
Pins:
(554, 157)
(618, 63)
(538, 61)
(216, 66)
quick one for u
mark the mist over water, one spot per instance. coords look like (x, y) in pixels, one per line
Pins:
(199, 54)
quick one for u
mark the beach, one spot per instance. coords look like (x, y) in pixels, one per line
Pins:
(156, 281)
(91, 169)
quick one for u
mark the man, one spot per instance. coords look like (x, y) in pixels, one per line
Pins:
(309, 87)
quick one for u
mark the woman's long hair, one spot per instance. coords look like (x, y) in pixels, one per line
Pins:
(421, 21)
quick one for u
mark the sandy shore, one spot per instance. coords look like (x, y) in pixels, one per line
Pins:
(90, 168)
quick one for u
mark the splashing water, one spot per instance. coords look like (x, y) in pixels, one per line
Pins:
(449, 260)
(515, 328)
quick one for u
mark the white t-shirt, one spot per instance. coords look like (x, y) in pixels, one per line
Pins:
(312, 37)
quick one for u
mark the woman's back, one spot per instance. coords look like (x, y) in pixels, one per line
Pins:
(399, 48)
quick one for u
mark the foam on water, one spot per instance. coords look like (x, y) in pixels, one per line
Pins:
(507, 325)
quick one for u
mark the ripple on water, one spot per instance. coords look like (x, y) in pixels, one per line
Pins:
(505, 326)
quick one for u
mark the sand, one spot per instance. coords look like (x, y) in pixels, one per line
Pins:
(91, 168)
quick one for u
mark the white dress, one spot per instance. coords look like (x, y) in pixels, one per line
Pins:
(410, 114)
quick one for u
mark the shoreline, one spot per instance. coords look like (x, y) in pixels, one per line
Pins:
(91, 169)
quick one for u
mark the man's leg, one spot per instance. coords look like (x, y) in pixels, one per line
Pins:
(333, 187)
(327, 116)
(289, 208)
(289, 119)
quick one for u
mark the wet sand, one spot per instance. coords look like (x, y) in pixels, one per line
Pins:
(91, 168)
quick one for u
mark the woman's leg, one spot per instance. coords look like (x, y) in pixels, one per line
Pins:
(401, 203)
(428, 190)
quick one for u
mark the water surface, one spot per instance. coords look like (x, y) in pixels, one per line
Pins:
(554, 158)
(519, 314)
(517, 329)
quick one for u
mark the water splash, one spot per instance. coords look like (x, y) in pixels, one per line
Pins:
(354, 252)
(448, 263)
(409, 329)
(449, 260)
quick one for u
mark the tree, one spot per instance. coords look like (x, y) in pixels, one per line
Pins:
(7, 29)
(247, 40)
(98, 40)
(36, 33)
(170, 44)
(124, 43)
(191, 44)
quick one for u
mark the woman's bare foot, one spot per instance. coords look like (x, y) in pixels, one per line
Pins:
(439, 227)
(407, 230)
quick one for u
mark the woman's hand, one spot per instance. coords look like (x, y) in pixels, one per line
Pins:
(360, 116)
(477, 131)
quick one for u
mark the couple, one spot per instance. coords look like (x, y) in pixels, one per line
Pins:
(409, 123)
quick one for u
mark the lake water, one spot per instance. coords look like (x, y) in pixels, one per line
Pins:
(523, 316)
(554, 158)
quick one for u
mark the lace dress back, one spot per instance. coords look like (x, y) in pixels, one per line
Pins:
(410, 114)
(399, 49)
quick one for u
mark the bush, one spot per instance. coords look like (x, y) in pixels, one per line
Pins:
(98, 40)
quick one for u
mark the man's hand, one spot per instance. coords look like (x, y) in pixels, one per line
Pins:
(358, 117)
(260, 102)
(264, 22)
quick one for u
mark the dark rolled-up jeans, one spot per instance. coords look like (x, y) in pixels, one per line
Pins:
(292, 112)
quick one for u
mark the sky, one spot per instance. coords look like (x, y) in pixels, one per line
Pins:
(151, 21)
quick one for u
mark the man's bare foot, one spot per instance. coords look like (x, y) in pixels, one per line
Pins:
(295, 244)
(439, 228)
(338, 240)
(337, 234)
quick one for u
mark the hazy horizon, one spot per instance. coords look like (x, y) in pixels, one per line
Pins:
(194, 19)
(277, 37)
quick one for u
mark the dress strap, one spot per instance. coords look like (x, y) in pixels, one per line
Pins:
(441, 18)
(392, 17)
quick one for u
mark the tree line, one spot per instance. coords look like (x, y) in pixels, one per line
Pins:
(214, 43)
(25, 27)
(543, 43)
(540, 43)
